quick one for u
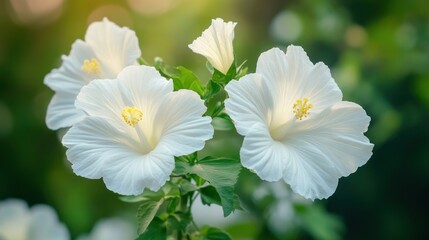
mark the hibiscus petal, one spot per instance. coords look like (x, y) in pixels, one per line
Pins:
(98, 149)
(249, 102)
(308, 171)
(61, 111)
(334, 146)
(179, 123)
(14, 218)
(143, 86)
(139, 86)
(292, 76)
(115, 47)
(101, 98)
(129, 174)
(91, 142)
(215, 44)
(44, 225)
(339, 131)
(262, 154)
(70, 77)
(320, 88)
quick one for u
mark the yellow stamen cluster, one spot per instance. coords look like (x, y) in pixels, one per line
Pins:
(91, 66)
(131, 115)
(301, 108)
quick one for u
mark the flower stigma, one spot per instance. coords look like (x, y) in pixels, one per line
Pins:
(91, 66)
(131, 115)
(301, 108)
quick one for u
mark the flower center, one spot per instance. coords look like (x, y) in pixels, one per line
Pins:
(301, 108)
(131, 115)
(91, 66)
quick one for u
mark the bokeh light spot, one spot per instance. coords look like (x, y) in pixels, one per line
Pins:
(152, 7)
(286, 27)
(115, 13)
(33, 12)
(355, 36)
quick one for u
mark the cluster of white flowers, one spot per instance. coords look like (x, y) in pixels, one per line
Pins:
(40, 222)
(127, 123)
(111, 229)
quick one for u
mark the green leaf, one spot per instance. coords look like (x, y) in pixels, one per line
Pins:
(186, 187)
(155, 231)
(160, 66)
(237, 203)
(212, 88)
(146, 212)
(170, 190)
(223, 196)
(146, 195)
(172, 205)
(319, 223)
(186, 79)
(227, 198)
(209, 195)
(219, 172)
(142, 61)
(241, 70)
(223, 79)
(181, 168)
(182, 162)
(223, 123)
(209, 67)
(183, 218)
(218, 108)
(211, 233)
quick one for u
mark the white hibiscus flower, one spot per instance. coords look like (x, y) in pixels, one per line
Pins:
(111, 229)
(295, 125)
(18, 222)
(136, 125)
(107, 49)
(216, 44)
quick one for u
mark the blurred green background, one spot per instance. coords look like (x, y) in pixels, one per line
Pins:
(378, 52)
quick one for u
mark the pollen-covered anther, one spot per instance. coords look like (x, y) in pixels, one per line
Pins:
(91, 67)
(301, 108)
(131, 115)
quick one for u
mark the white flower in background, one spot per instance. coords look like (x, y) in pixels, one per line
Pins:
(107, 49)
(40, 222)
(295, 125)
(136, 125)
(112, 229)
(216, 44)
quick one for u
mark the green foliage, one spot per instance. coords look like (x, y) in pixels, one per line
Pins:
(146, 195)
(212, 88)
(218, 171)
(223, 79)
(150, 203)
(223, 122)
(187, 187)
(211, 233)
(318, 223)
(146, 213)
(176, 196)
(186, 79)
(155, 231)
(222, 196)
(210, 168)
(221, 173)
